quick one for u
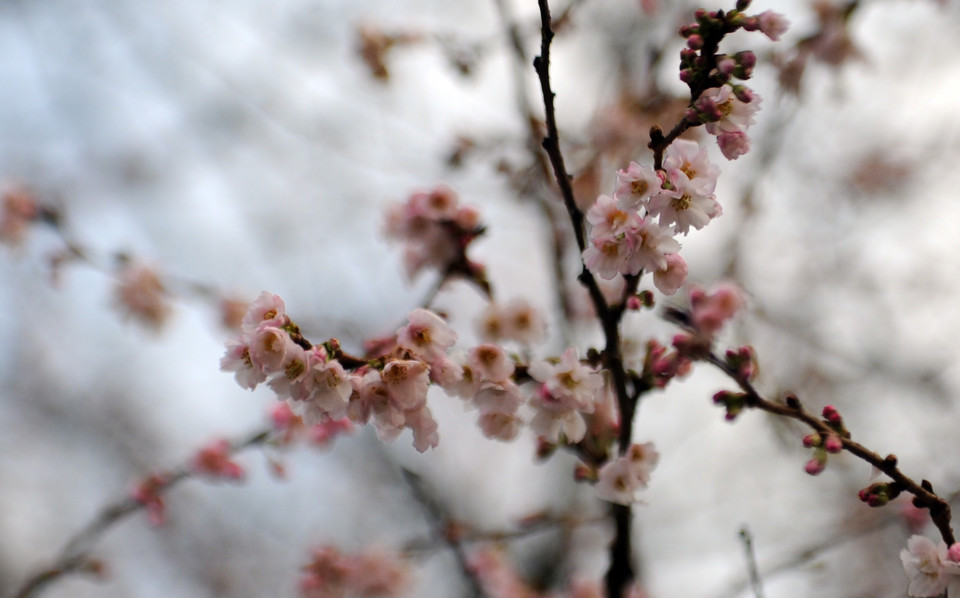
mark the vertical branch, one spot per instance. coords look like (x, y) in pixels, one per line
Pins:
(620, 573)
(747, 538)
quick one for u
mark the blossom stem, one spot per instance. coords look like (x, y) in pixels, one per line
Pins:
(925, 496)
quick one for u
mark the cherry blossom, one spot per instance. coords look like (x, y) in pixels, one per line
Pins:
(930, 568)
(427, 336)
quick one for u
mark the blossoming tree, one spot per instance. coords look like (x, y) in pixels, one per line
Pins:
(565, 384)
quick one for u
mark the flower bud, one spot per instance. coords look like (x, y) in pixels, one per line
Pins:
(815, 466)
(812, 440)
(833, 444)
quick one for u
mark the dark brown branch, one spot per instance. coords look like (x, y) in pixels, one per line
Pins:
(924, 495)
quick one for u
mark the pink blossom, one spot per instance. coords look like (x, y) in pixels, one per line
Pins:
(499, 426)
(498, 397)
(148, 494)
(141, 295)
(548, 423)
(636, 185)
(293, 370)
(424, 428)
(616, 484)
(516, 321)
(375, 572)
(267, 308)
(930, 568)
(214, 461)
(621, 480)
(324, 433)
(268, 348)
(427, 336)
(570, 382)
(684, 206)
(687, 158)
(772, 24)
(407, 382)
(609, 220)
(18, 211)
(446, 372)
(606, 256)
(489, 362)
(733, 144)
(735, 115)
(238, 360)
(328, 389)
(650, 245)
(710, 311)
(669, 280)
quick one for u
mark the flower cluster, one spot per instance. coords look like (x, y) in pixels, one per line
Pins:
(321, 383)
(436, 231)
(374, 572)
(932, 568)
(726, 107)
(634, 230)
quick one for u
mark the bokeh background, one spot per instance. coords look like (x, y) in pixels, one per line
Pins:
(250, 146)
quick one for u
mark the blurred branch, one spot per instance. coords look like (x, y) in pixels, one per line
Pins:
(75, 558)
(923, 492)
(754, 575)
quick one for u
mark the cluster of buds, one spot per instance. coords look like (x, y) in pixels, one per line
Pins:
(824, 444)
(660, 367)
(880, 493)
(726, 107)
(373, 573)
(436, 232)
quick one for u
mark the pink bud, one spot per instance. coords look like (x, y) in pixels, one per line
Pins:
(633, 303)
(833, 444)
(815, 466)
(812, 440)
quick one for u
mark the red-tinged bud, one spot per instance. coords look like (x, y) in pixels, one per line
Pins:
(812, 440)
(749, 23)
(733, 402)
(815, 466)
(688, 30)
(746, 59)
(832, 416)
(646, 298)
(695, 42)
(726, 65)
(691, 114)
(688, 56)
(634, 303)
(833, 444)
(743, 93)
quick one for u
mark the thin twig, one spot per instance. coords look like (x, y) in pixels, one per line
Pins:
(755, 582)
(74, 557)
(925, 496)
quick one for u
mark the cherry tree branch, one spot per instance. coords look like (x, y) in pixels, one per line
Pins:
(620, 572)
(75, 558)
(923, 492)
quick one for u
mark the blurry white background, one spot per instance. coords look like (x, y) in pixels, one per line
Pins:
(246, 145)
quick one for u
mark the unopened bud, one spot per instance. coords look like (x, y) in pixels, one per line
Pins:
(815, 466)
(833, 444)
